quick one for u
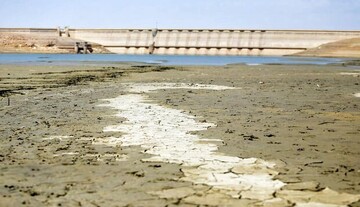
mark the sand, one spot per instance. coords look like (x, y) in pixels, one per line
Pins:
(301, 123)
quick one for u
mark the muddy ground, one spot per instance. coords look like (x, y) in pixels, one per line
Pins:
(305, 116)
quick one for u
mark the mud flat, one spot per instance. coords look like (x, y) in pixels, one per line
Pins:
(156, 136)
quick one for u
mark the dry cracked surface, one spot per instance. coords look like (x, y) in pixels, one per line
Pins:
(217, 136)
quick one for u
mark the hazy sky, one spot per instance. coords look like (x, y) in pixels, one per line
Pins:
(257, 14)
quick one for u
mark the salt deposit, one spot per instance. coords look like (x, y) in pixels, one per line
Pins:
(165, 133)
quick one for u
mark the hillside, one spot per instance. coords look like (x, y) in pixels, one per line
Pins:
(343, 48)
(21, 43)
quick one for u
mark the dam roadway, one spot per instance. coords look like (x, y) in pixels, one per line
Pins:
(195, 41)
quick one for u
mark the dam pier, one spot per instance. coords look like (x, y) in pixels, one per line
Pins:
(191, 41)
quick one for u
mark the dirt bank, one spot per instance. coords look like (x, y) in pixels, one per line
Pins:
(22, 43)
(343, 48)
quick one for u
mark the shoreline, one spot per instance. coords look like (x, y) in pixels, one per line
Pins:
(305, 116)
(42, 59)
(108, 53)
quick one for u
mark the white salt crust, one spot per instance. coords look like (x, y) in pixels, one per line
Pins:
(164, 133)
(147, 87)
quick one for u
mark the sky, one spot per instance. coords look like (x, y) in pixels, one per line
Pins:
(218, 14)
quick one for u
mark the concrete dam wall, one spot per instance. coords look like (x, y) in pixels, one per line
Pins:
(210, 42)
(198, 41)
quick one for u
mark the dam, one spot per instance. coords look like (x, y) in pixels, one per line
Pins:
(193, 41)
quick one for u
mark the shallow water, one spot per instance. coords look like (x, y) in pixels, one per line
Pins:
(111, 59)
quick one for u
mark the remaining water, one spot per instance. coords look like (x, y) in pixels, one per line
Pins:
(109, 59)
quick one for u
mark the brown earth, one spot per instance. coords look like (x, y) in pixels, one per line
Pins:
(305, 116)
(343, 48)
(20, 43)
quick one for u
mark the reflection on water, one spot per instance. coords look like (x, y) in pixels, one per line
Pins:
(110, 59)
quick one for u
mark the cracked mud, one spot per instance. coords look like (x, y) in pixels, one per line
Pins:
(269, 136)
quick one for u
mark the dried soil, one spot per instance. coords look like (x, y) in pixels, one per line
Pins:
(305, 116)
